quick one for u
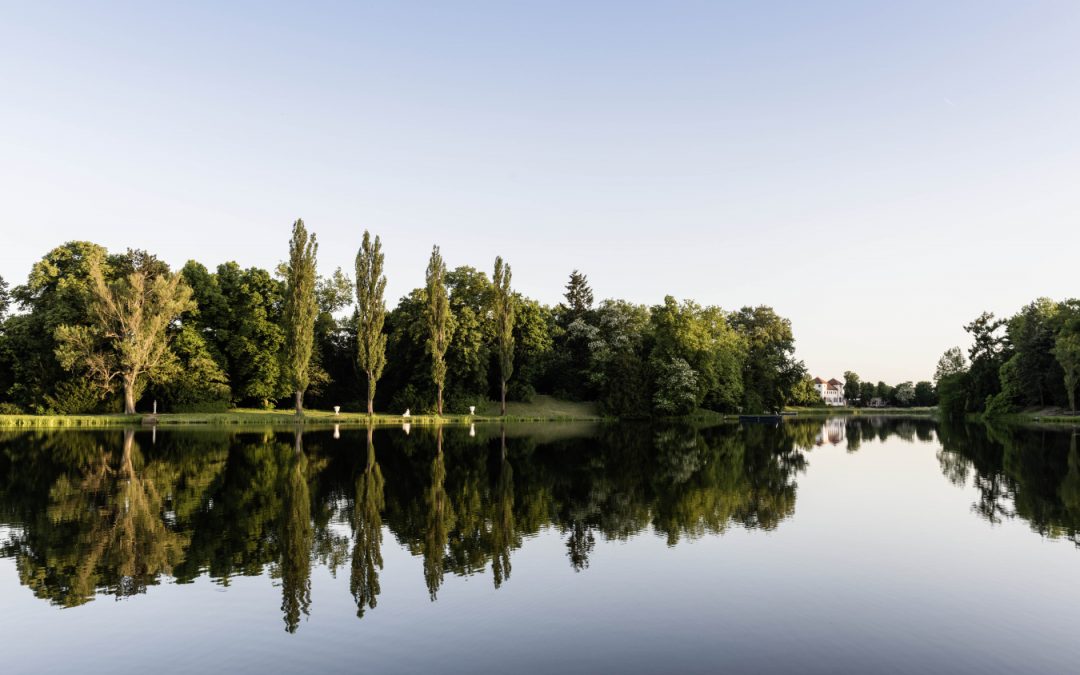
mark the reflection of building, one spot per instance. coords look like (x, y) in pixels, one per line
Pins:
(832, 432)
(832, 392)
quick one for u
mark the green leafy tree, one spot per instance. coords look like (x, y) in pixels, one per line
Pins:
(473, 343)
(127, 339)
(924, 394)
(300, 310)
(805, 393)
(56, 292)
(505, 308)
(867, 391)
(852, 386)
(953, 392)
(241, 315)
(676, 387)
(1036, 375)
(333, 355)
(199, 383)
(988, 351)
(702, 337)
(370, 314)
(534, 344)
(440, 323)
(617, 359)
(904, 393)
(771, 370)
(950, 363)
(1067, 352)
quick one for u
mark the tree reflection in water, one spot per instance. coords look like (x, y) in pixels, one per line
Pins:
(367, 557)
(111, 513)
(294, 567)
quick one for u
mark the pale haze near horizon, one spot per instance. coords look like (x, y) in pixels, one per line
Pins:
(878, 173)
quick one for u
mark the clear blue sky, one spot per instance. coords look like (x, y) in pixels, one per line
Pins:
(878, 172)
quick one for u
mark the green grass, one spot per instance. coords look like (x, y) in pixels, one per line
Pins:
(833, 411)
(66, 421)
(1045, 416)
(542, 409)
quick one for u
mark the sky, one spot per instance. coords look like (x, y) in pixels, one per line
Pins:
(878, 172)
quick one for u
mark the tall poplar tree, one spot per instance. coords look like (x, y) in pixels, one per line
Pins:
(440, 322)
(301, 309)
(370, 313)
(504, 324)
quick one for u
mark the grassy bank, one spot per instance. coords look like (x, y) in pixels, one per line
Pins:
(840, 411)
(1037, 417)
(542, 409)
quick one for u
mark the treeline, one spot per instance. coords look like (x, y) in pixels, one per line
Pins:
(100, 331)
(1027, 361)
(861, 394)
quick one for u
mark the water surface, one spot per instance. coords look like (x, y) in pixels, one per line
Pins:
(852, 545)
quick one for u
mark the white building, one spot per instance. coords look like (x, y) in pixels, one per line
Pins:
(832, 392)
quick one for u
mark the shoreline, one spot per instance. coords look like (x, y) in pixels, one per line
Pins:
(329, 419)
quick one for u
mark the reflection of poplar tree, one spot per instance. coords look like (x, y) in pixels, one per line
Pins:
(436, 534)
(367, 533)
(503, 534)
(296, 540)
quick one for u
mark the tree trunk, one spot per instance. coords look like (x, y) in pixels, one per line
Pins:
(129, 395)
(299, 403)
(440, 401)
(504, 398)
(370, 396)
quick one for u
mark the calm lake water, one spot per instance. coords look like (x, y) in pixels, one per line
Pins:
(857, 545)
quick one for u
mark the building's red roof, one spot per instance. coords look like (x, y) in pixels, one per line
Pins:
(835, 381)
(818, 380)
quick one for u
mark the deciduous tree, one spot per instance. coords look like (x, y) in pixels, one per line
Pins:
(1067, 351)
(950, 363)
(126, 340)
(852, 386)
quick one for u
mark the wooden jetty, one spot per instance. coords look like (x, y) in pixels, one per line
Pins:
(760, 419)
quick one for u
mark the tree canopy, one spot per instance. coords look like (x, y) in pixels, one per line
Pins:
(255, 337)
